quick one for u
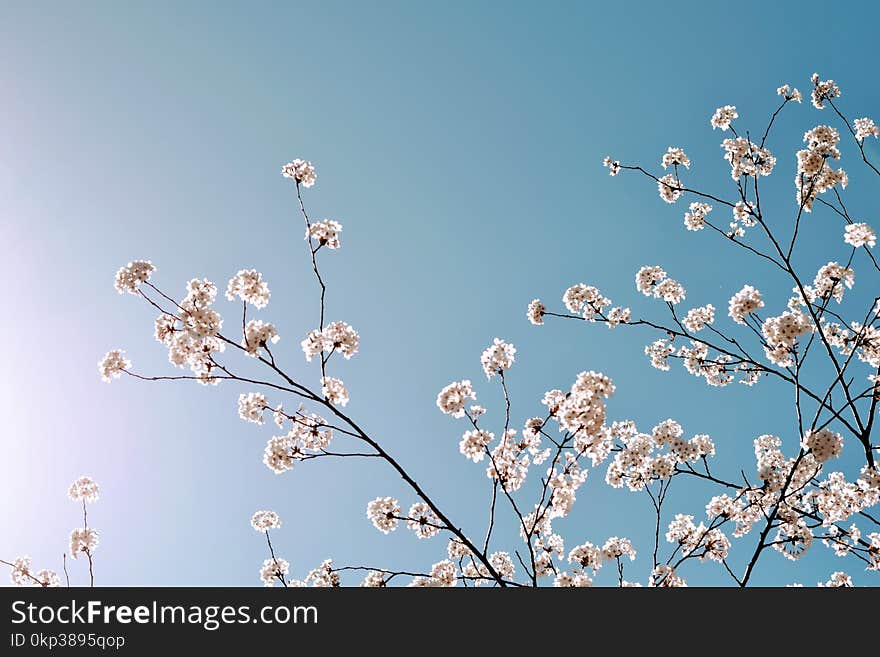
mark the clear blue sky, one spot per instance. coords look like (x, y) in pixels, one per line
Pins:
(460, 144)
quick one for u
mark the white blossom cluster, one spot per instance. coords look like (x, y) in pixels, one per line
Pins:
(674, 157)
(249, 286)
(698, 318)
(191, 333)
(535, 312)
(129, 278)
(498, 357)
(695, 219)
(723, 117)
(823, 90)
(274, 570)
(337, 337)
(263, 521)
(113, 365)
(865, 127)
(23, 575)
(814, 175)
(670, 188)
(326, 232)
(644, 458)
(860, 234)
(85, 488)
(613, 166)
(653, 281)
(452, 399)
(789, 94)
(308, 433)
(301, 171)
(744, 303)
(747, 158)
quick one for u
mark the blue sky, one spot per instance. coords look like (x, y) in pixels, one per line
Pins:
(460, 145)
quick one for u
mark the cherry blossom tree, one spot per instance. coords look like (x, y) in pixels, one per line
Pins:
(788, 501)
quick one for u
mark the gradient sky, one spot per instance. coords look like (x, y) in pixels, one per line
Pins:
(460, 144)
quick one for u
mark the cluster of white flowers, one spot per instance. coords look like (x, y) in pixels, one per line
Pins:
(83, 540)
(474, 443)
(637, 463)
(337, 337)
(301, 171)
(743, 303)
(652, 281)
(503, 564)
(659, 351)
(564, 482)
(747, 158)
(723, 116)
(84, 488)
(274, 570)
(647, 277)
(582, 412)
(665, 576)
(814, 175)
(191, 336)
(535, 312)
(859, 235)
(695, 219)
(21, 572)
(698, 318)
(830, 281)
(249, 286)
(671, 291)
(334, 390)
(674, 157)
(670, 188)
(325, 232)
(576, 579)
(324, 576)
(781, 334)
(837, 499)
(452, 398)
(497, 357)
(586, 300)
(374, 579)
(129, 278)
(789, 94)
(384, 512)
(618, 315)
(617, 547)
(113, 365)
(865, 127)
(716, 370)
(258, 334)
(263, 521)
(422, 520)
(691, 537)
(823, 90)
(613, 166)
(251, 407)
(444, 573)
(308, 433)
(839, 579)
(586, 556)
(508, 462)
(590, 557)
(23, 575)
(867, 343)
(743, 217)
(823, 443)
